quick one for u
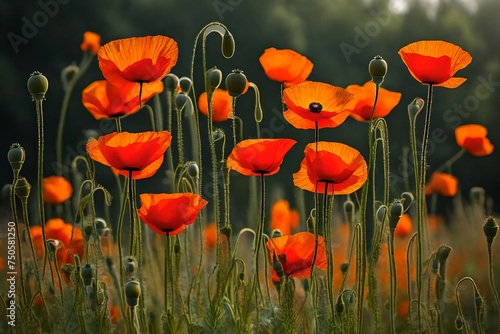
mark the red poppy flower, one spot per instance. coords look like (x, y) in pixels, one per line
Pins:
(365, 96)
(103, 100)
(310, 102)
(435, 62)
(295, 254)
(170, 213)
(283, 218)
(91, 42)
(139, 153)
(472, 137)
(221, 105)
(56, 189)
(286, 66)
(255, 157)
(442, 183)
(338, 166)
(137, 59)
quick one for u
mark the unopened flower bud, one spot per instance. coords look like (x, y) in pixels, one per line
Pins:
(193, 170)
(381, 213)
(490, 229)
(478, 300)
(68, 74)
(378, 69)
(38, 86)
(228, 46)
(459, 322)
(416, 106)
(339, 306)
(236, 83)
(53, 245)
(349, 211)
(278, 268)
(16, 157)
(217, 135)
(443, 253)
(88, 230)
(407, 199)
(214, 78)
(177, 246)
(87, 274)
(130, 265)
(171, 82)
(180, 101)
(100, 226)
(311, 223)
(276, 233)
(185, 84)
(227, 231)
(23, 188)
(132, 292)
(344, 267)
(395, 212)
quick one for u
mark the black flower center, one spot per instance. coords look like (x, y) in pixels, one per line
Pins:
(315, 107)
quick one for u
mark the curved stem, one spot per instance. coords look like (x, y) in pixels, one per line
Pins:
(492, 282)
(451, 161)
(392, 269)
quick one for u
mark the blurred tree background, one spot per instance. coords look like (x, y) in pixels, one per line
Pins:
(340, 37)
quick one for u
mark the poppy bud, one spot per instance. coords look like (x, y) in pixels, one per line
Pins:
(339, 306)
(278, 268)
(228, 46)
(241, 276)
(407, 199)
(349, 211)
(381, 213)
(132, 292)
(180, 101)
(226, 230)
(378, 69)
(38, 86)
(443, 253)
(416, 106)
(68, 74)
(16, 157)
(193, 170)
(395, 213)
(276, 233)
(344, 267)
(23, 188)
(53, 245)
(171, 82)
(185, 84)
(490, 229)
(459, 322)
(87, 231)
(177, 247)
(130, 265)
(214, 78)
(236, 83)
(217, 135)
(91, 134)
(100, 226)
(311, 223)
(87, 274)
(477, 196)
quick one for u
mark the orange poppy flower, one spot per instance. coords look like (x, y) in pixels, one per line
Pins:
(56, 190)
(442, 183)
(404, 227)
(103, 100)
(210, 236)
(435, 62)
(295, 254)
(170, 213)
(139, 153)
(310, 102)
(472, 137)
(221, 105)
(137, 59)
(91, 42)
(365, 96)
(339, 167)
(255, 157)
(283, 218)
(286, 66)
(57, 229)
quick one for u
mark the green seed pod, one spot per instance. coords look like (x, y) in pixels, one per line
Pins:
(38, 86)
(180, 101)
(87, 274)
(23, 188)
(236, 83)
(276, 233)
(171, 82)
(100, 226)
(214, 78)
(490, 229)
(68, 74)
(228, 46)
(16, 157)
(132, 292)
(378, 69)
(185, 84)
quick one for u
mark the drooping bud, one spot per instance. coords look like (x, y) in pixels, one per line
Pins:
(16, 157)
(180, 101)
(407, 200)
(214, 78)
(100, 226)
(193, 170)
(339, 306)
(459, 322)
(38, 86)
(132, 292)
(87, 274)
(217, 135)
(226, 231)
(378, 69)
(490, 229)
(185, 84)
(171, 82)
(381, 213)
(311, 222)
(53, 245)
(228, 46)
(415, 106)
(276, 233)
(23, 188)
(68, 75)
(395, 212)
(236, 83)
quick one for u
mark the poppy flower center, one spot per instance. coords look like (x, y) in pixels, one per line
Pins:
(315, 107)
